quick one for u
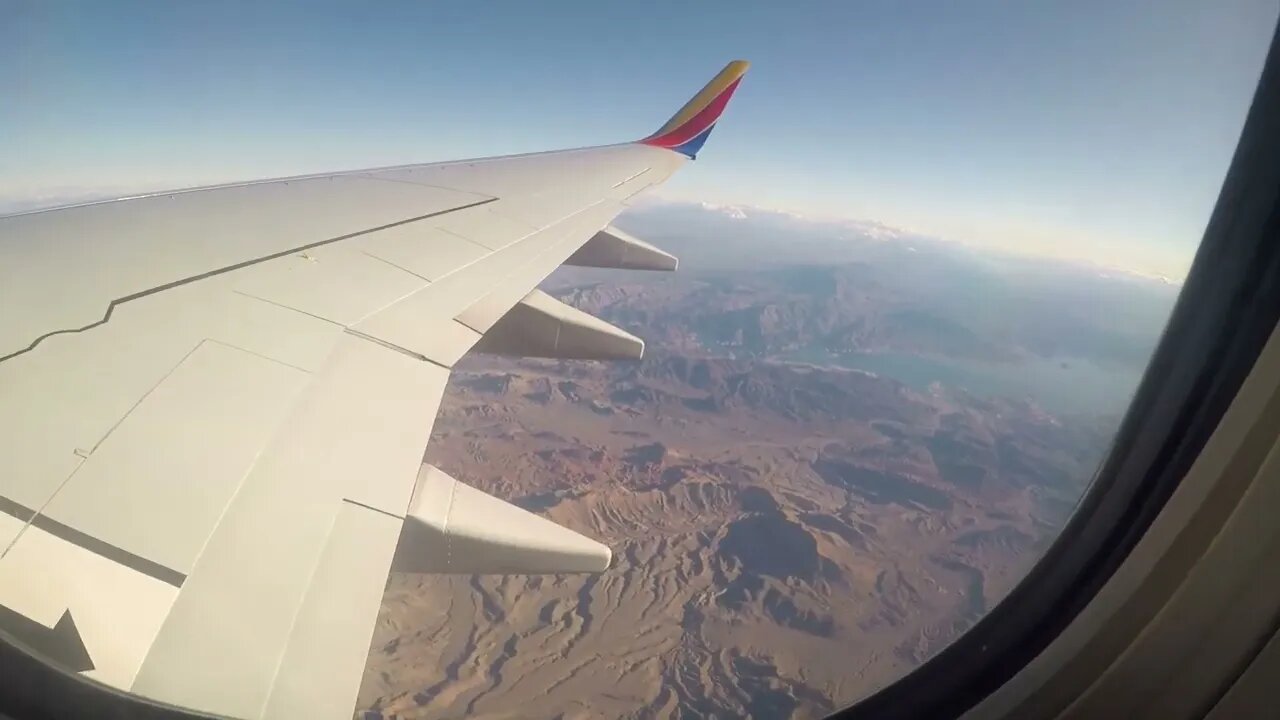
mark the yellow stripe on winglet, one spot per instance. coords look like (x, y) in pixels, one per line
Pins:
(731, 72)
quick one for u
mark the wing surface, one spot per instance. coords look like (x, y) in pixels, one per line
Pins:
(214, 403)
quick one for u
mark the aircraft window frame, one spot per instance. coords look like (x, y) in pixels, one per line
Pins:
(1228, 308)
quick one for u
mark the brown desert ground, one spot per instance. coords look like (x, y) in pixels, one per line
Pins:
(786, 538)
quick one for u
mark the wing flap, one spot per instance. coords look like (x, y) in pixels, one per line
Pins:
(417, 324)
(337, 283)
(76, 390)
(158, 484)
(484, 227)
(324, 661)
(558, 242)
(117, 611)
(425, 251)
(357, 432)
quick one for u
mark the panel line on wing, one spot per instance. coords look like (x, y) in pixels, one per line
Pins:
(287, 307)
(141, 399)
(111, 306)
(395, 348)
(255, 353)
(388, 262)
(293, 621)
(84, 455)
(381, 178)
(479, 244)
(370, 507)
(624, 181)
(39, 518)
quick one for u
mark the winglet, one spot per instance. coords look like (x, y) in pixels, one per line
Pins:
(688, 129)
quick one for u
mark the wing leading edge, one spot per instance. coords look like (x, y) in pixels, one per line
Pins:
(213, 405)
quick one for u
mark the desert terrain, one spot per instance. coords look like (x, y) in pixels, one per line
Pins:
(786, 538)
(790, 533)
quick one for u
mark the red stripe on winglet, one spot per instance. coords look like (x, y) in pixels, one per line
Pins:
(703, 120)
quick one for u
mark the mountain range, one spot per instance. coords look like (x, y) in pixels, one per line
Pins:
(832, 460)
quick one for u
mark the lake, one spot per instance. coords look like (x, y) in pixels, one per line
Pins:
(1058, 385)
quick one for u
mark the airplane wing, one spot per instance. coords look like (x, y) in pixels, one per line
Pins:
(214, 403)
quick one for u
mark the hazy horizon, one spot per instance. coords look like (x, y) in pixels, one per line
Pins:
(1094, 131)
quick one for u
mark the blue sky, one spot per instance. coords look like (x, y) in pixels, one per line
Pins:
(1094, 130)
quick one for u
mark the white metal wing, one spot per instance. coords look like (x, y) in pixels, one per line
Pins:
(214, 402)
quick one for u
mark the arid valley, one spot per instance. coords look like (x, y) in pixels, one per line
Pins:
(789, 533)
